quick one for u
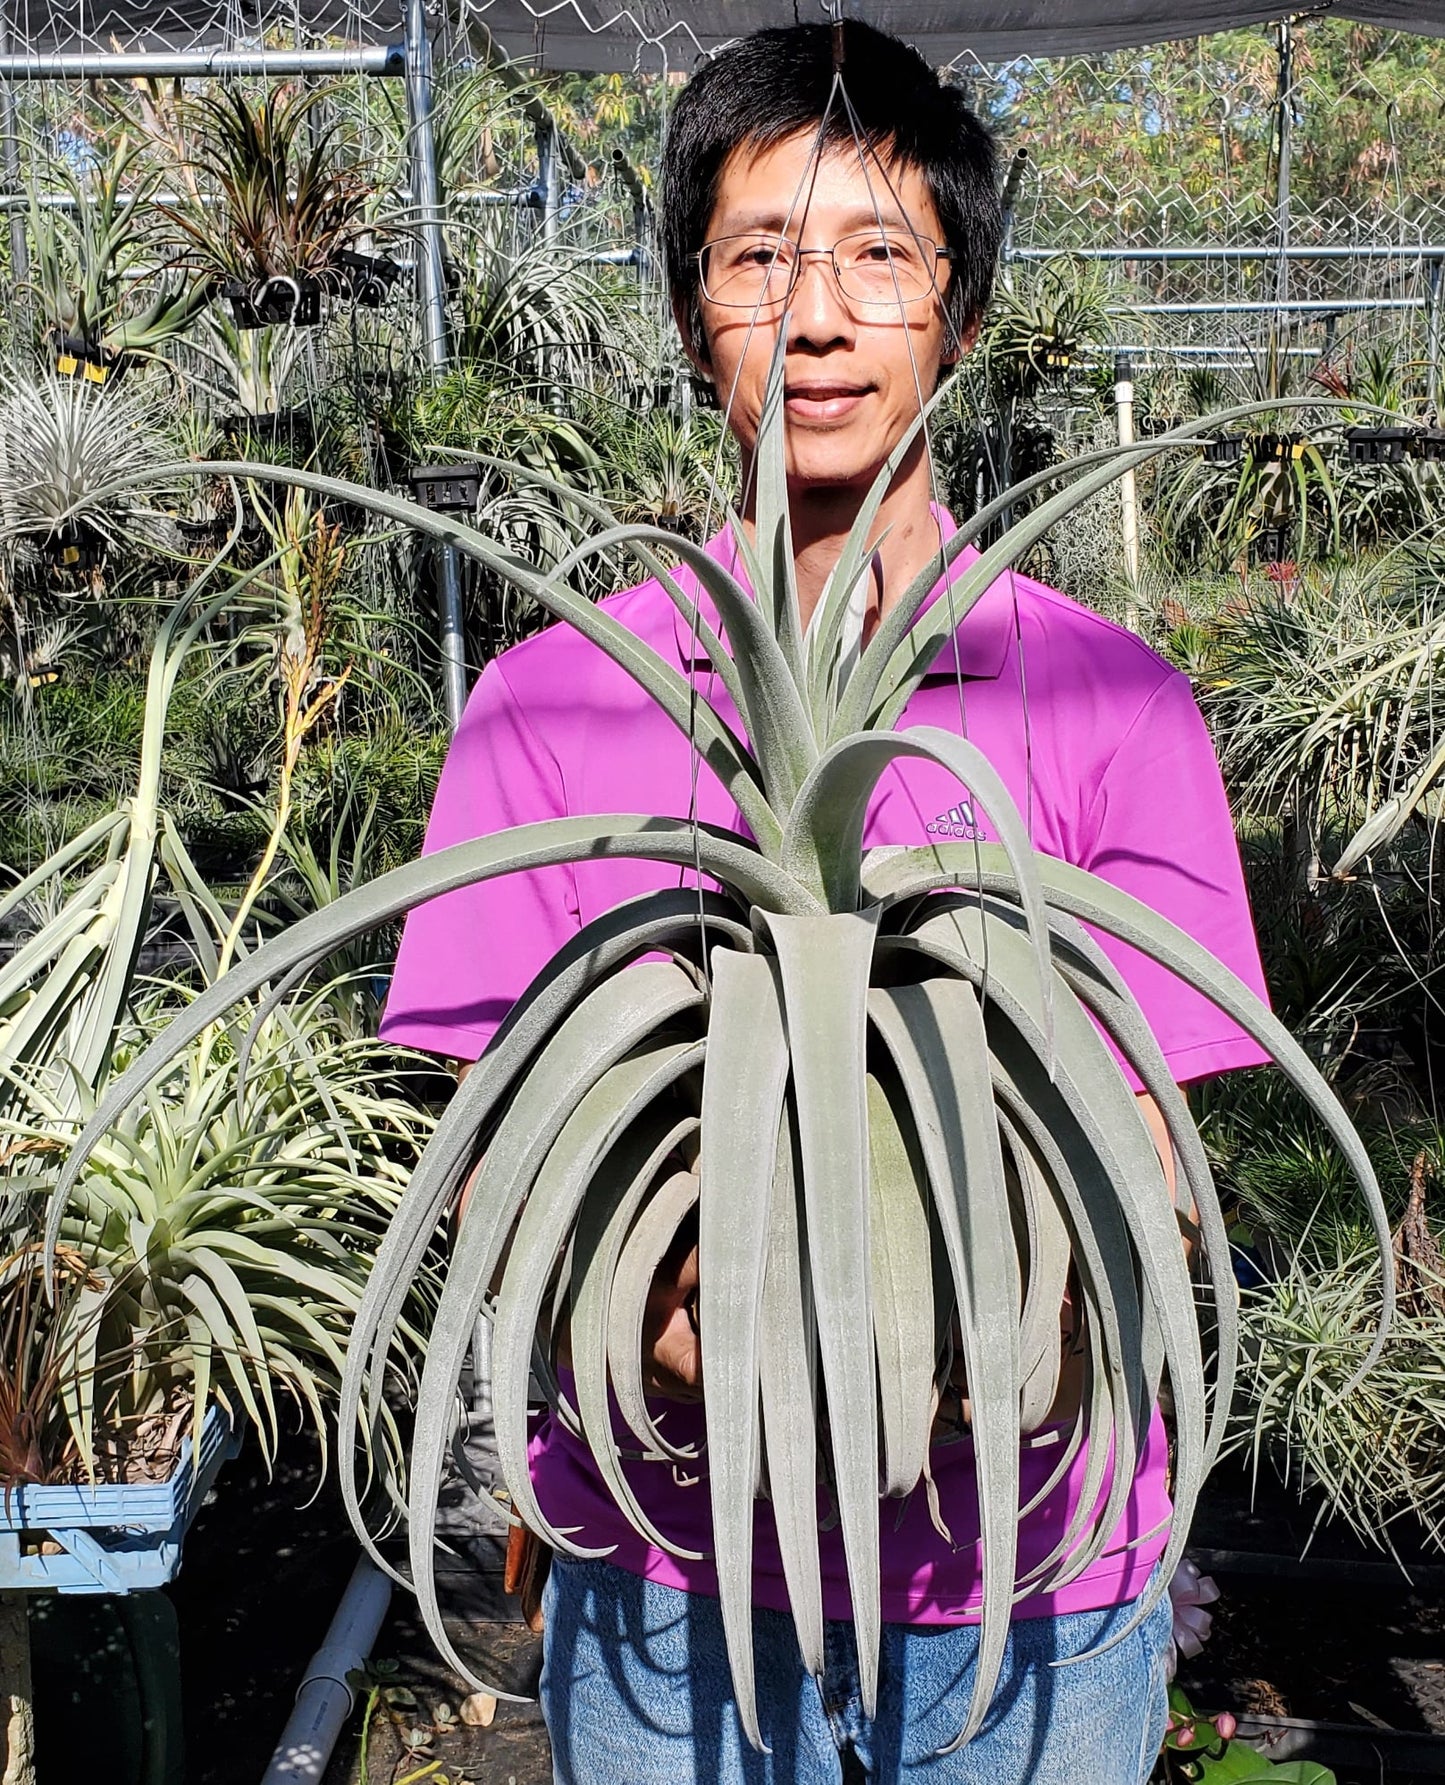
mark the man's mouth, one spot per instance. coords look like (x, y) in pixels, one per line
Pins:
(823, 399)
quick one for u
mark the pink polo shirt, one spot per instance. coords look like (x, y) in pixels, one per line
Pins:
(1103, 749)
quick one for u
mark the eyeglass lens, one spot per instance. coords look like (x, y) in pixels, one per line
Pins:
(872, 267)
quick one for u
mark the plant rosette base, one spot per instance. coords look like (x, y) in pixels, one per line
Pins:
(1204, 1749)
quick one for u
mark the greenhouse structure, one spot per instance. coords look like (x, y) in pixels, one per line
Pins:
(472, 1016)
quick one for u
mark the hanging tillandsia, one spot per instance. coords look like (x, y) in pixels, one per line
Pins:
(879, 1081)
(92, 254)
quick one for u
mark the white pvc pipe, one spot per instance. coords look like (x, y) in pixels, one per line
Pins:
(1128, 490)
(324, 1700)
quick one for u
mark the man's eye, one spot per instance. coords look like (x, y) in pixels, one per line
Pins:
(884, 252)
(763, 254)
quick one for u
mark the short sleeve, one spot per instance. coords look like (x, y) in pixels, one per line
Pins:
(466, 957)
(1160, 829)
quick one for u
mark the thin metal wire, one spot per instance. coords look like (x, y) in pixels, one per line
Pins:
(784, 322)
(867, 152)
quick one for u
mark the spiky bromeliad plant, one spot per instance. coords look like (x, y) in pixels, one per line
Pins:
(877, 1078)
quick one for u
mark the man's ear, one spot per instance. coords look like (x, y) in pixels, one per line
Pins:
(962, 343)
(686, 317)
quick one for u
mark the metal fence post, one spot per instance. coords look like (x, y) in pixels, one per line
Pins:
(549, 171)
(10, 160)
(432, 293)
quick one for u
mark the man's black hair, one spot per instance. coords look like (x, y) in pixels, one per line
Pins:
(776, 84)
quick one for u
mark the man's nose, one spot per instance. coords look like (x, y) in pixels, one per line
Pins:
(819, 311)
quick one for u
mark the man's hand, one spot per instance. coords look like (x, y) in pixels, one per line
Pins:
(671, 1349)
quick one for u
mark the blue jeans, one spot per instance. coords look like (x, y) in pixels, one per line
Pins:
(636, 1691)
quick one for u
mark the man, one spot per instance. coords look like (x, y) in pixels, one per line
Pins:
(831, 190)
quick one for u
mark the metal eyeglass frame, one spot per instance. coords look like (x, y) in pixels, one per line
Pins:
(939, 253)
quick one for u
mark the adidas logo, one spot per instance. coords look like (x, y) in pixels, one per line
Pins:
(957, 821)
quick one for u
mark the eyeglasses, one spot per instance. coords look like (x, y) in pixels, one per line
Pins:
(873, 267)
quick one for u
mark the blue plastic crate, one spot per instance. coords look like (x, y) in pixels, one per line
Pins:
(112, 1539)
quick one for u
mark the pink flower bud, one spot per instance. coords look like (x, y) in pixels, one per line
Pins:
(1227, 1725)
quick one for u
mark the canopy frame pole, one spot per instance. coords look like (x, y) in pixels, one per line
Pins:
(431, 284)
(10, 165)
(217, 64)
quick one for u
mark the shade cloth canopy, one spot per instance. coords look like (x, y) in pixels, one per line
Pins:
(617, 34)
(653, 35)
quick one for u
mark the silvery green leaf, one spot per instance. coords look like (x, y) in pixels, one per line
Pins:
(1093, 901)
(823, 841)
(770, 705)
(742, 1103)
(601, 1121)
(322, 932)
(834, 640)
(789, 1395)
(561, 992)
(1047, 1253)
(935, 1035)
(605, 1118)
(618, 1015)
(903, 1311)
(825, 966)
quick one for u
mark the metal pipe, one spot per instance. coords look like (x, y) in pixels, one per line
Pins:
(1432, 341)
(1271, 306)
(549, 179)
(491, 54)
(1220, 352)
(10, 158)
(1008, 206)
(627, 173)
(1366, 251)
(129, 65)
(324, 1700)
(431, 260)
(1284, 132)
(641, 212)
(66, 201)
(432, 293)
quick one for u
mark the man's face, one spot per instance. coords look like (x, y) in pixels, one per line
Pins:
(853, 371)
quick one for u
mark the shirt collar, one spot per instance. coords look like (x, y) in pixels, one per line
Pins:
(983, 635)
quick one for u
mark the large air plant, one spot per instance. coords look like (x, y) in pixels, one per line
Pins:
(874, 1079)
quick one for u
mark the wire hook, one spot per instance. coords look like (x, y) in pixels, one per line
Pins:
(840, 47)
